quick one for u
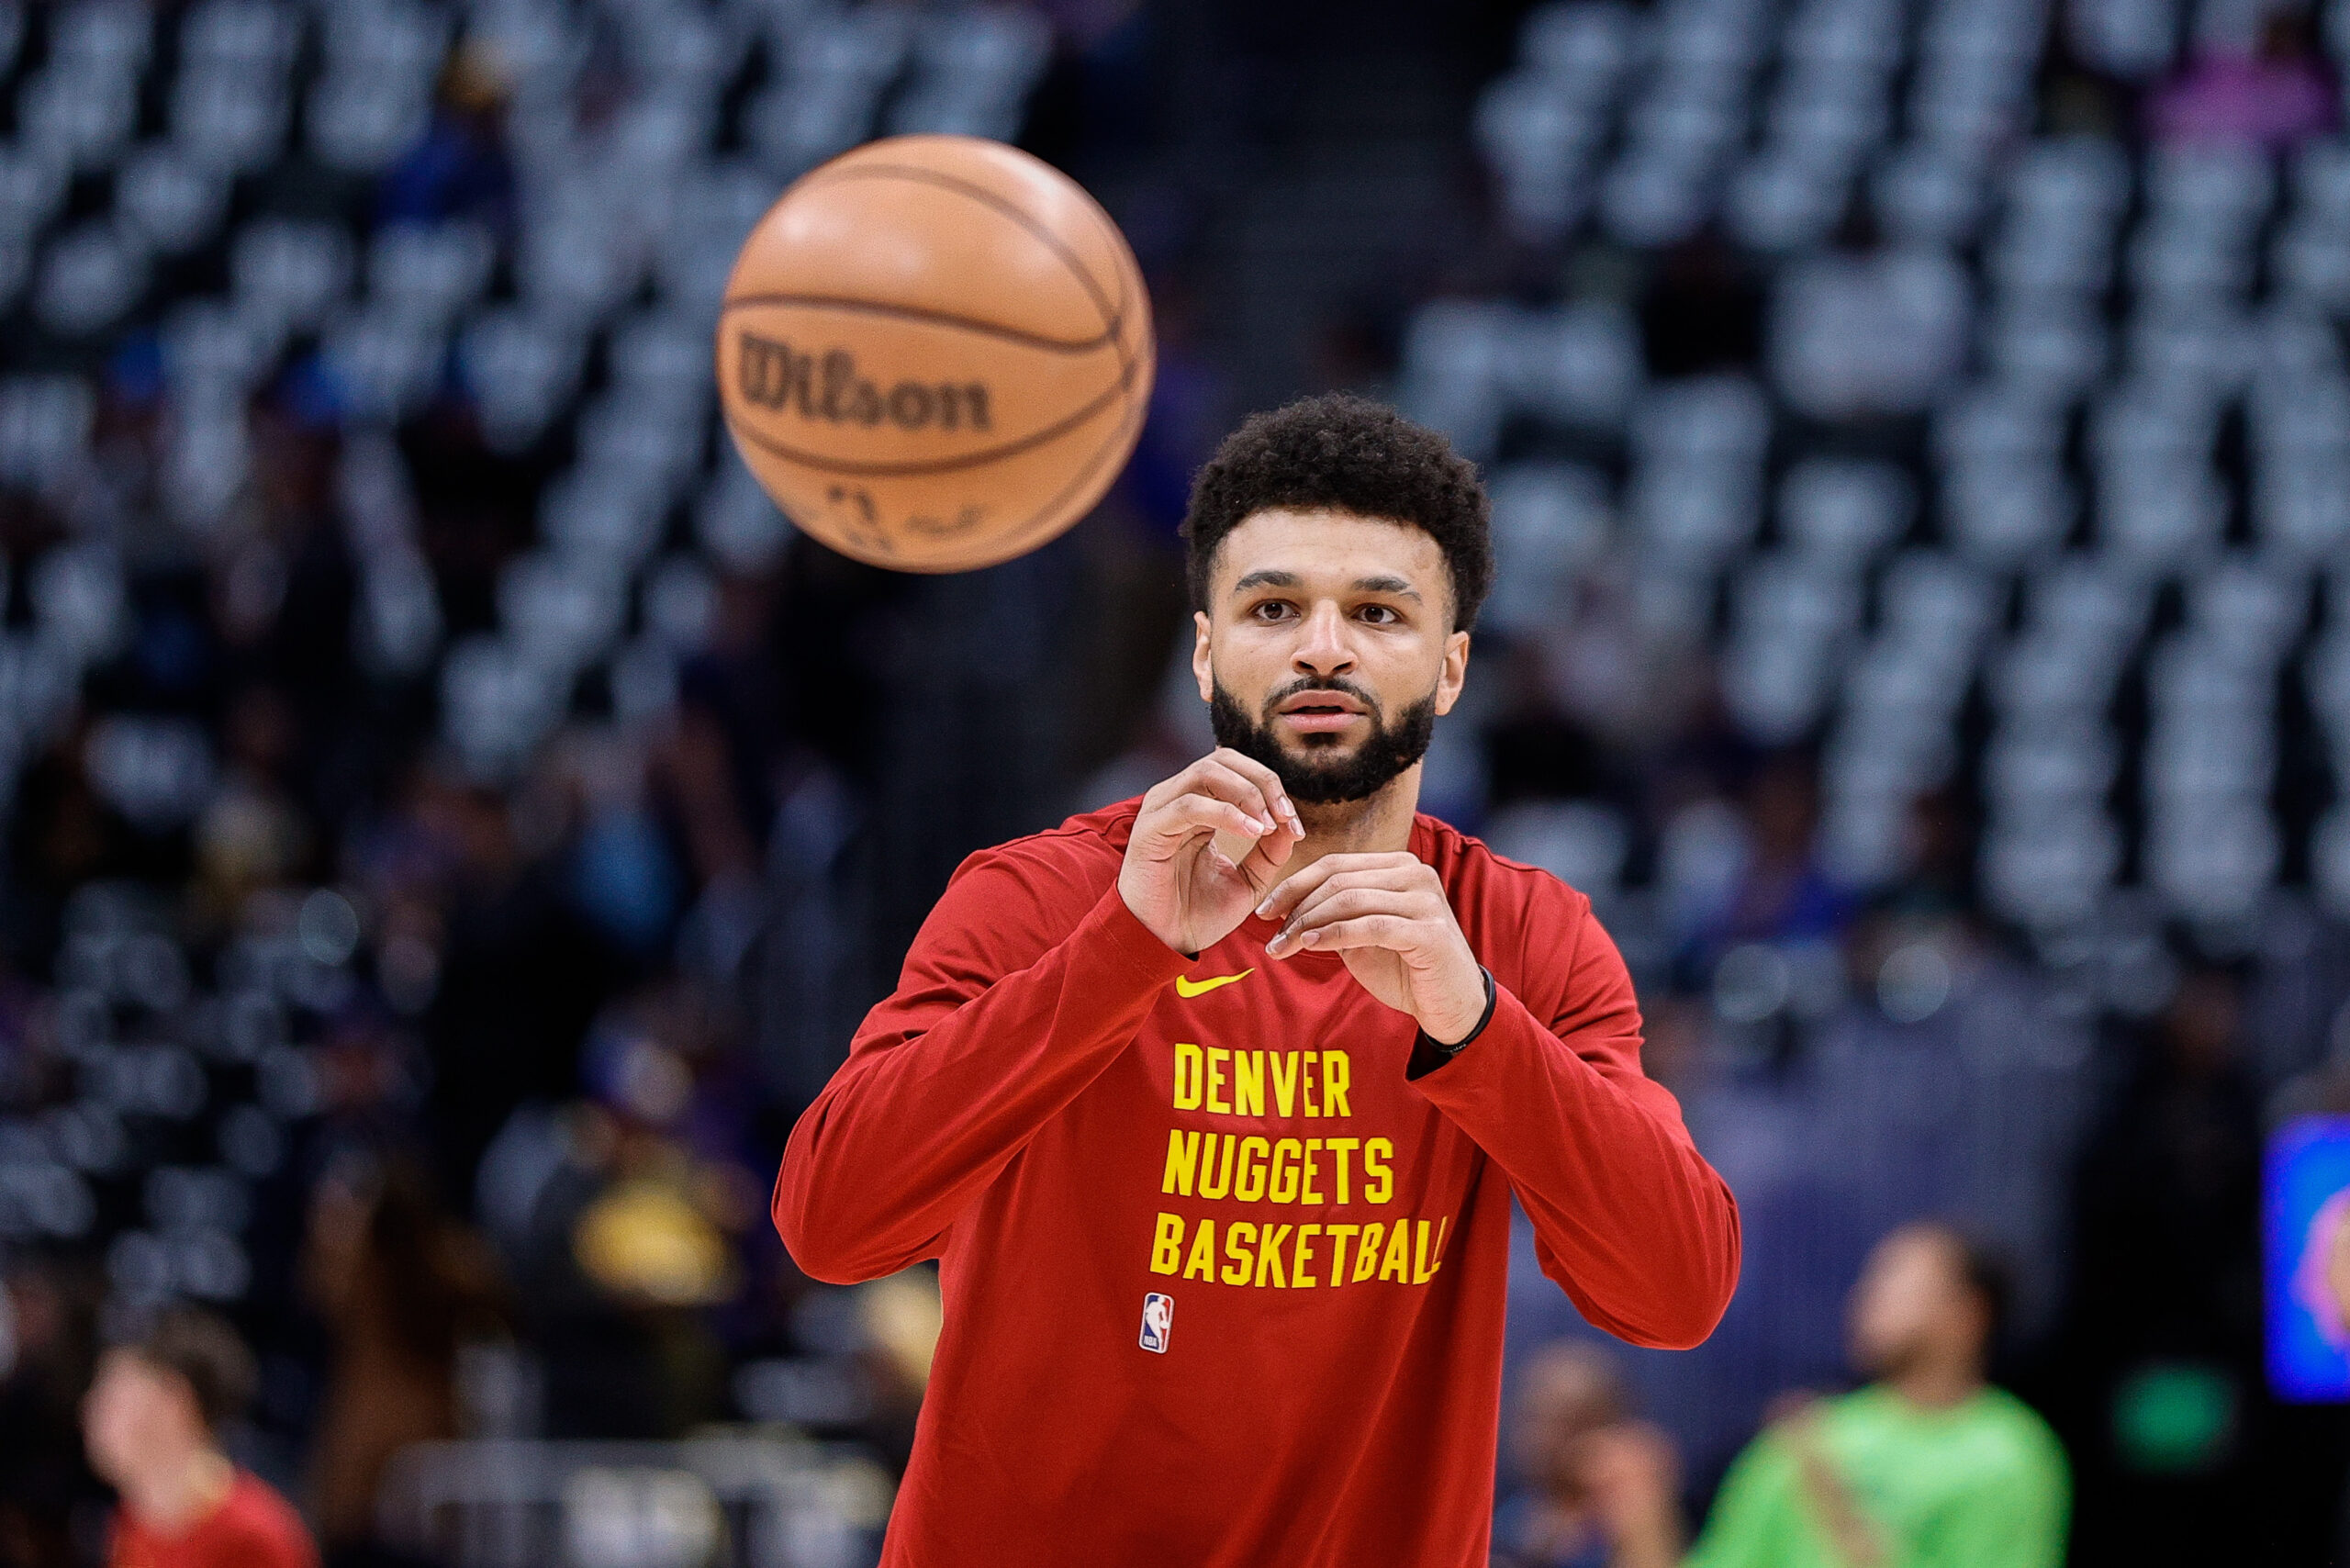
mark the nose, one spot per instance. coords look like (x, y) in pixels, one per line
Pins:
(1321, 645)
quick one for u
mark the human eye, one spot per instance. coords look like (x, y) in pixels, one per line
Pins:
(1273, 609)
(1380, 615)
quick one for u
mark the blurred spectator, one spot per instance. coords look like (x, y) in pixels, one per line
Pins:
(153, 1421)
(402, 1289)
(252, 834)
(47, 1320)
(517, 974)
(1927, 1464)
(459, 169)
(634, 1222)
(1781, 894)
(1571, 1402)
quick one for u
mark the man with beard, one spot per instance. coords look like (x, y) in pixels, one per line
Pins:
(1211, 1104)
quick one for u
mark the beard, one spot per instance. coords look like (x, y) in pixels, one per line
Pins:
(1315, 779)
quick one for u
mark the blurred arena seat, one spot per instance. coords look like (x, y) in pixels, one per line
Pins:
(2084, 369)
(737, 1502)
(176, 176)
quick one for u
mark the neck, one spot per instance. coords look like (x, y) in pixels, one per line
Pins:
(177, 1495)
(1378, 822)
(1935, 1383)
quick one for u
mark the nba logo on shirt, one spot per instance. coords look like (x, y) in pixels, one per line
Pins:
(1158, 1319)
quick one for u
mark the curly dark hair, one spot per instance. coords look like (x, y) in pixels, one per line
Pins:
(1340, 453)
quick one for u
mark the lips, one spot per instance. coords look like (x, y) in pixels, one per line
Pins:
(1320, 711)
(1319, 703)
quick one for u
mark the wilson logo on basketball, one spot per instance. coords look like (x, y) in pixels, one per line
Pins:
(827, 386)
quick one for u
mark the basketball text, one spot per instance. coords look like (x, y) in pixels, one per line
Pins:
(771, 373)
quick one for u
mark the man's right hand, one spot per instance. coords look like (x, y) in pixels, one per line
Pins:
(1190, 893)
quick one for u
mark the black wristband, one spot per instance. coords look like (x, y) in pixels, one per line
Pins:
(1429, 1053)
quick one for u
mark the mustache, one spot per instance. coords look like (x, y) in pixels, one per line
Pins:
(1324, 683)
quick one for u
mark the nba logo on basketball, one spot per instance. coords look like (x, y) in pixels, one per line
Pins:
(1158, 1321)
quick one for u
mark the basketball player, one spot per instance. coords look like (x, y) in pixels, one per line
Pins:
(1211, 1103)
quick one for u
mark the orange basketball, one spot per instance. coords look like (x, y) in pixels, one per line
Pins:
(934, 353)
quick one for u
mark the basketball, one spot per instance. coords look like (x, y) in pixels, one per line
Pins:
(934, 353)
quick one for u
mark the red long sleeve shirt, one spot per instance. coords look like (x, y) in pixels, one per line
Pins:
(1222, 1286)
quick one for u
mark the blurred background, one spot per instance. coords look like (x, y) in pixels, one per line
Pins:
(453, 822)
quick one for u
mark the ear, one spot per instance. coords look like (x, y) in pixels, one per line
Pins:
(1203, 667)
(1454, 674)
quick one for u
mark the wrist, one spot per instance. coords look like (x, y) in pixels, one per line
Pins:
(1429, 1053)
(1467, 1019)
(1144, 917)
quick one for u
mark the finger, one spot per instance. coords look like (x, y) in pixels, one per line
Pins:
(1336, 909)
(1187, 816)
(1335, 903)
(1268, 782)
(1291, 892)
(1392, 931)
(1208, 777)
(1213, 774)
(1263, 862)
(1398, 886)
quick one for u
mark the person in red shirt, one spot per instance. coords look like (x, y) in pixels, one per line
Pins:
(152, 1422)
(1211, 1105)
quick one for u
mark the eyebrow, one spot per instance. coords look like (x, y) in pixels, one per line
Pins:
(1271, 578)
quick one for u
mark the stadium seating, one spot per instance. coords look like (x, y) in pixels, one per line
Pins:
(189, 1086)
(2080, 317)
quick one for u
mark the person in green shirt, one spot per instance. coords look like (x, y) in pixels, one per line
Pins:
(1926, 1467)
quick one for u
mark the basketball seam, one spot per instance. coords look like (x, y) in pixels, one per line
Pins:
(1128, 431)
(1118, 246)
(921, 313)
(842, 165)
(980, 194)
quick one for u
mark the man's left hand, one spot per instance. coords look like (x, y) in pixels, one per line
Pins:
(1387, 917)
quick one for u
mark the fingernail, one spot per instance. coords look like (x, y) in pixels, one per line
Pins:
(1264, 909)
(1255, 827)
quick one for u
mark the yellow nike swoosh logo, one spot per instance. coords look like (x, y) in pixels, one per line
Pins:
(1190, 988)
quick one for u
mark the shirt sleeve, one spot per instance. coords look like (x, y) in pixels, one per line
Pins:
(1629, 1218)
(1022, 987)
